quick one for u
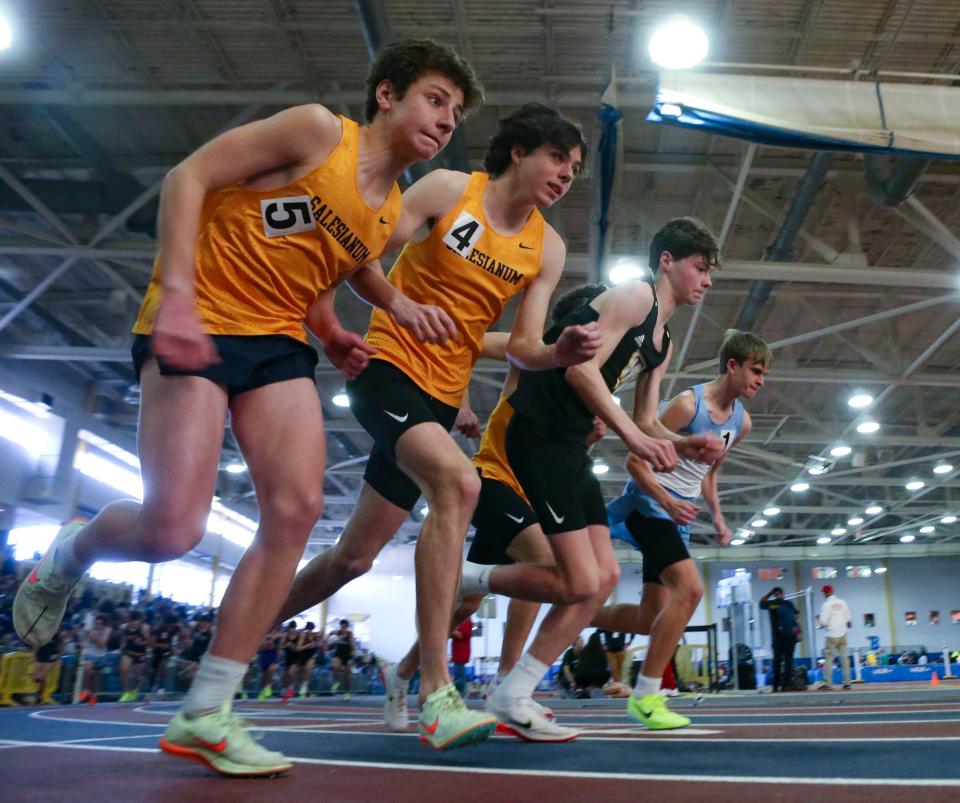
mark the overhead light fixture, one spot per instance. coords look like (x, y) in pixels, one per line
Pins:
(235, 468)
(855, 521)
(800, 487)
(815, 464)
(625, 269)
(868, 427)
(907, 538)
(840, 451)
(860, 400)
(873, 510)
(341, 400)
(6, 33)
(670, 110)
(816, 471)
(758, 523)
(838, 531)
(880, 570)
(824, 539)
(927, 528)
(914, 485)
(600, 468)
(736, 542)
(678, 44)
(942, 468)
(949, 519)
(771, 511)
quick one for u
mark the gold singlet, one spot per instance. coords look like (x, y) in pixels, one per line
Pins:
(470, 271)
(263, 256)
(491, 457)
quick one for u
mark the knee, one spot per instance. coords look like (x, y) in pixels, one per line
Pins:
(609, 579)
(457, 489)
(580, 588)
(688, 597)
(293, 511)
(168, 536)
(349, 564)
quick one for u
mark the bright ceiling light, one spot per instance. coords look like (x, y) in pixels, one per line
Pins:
(341, 400)
(942, 468)
(670, 110)
(824, 539)
(948, 519)
(855, 521)
(600, 468)
(927, 528)
(840, 451)
(868, 427)
(758, 523)
(860, 400)
(880, 570)
(678, 44)
(838, 531)
(800, 487)
(6, 33)
(817, 470)
(736, 542)
(873, 510)
(397, 577)
(624, 270)
(771, 511)
(906, 539)
(235, 468)
(914, 485)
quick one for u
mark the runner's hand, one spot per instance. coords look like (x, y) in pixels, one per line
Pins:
(723, 533)
(178, 339)
(467, 423)
(659, 453)
(682, 511)
(704, 448)
(348, 352)
(428, 323)
(577, 344)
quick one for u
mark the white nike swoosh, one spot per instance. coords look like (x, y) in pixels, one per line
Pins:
(395, 417)
(556, 518)
(517, 519)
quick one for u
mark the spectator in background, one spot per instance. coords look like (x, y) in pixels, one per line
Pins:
(615, 644)
(343, 646)
(569, 668)
(200, 641)
(460, 653)
(785, 629)
(268, 656)
(162, 636)
(593, 672)
(44, 659)
(94, 641)
(135, 637)
(834, 618)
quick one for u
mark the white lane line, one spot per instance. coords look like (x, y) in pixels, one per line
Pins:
(51, 716)
(600, 776)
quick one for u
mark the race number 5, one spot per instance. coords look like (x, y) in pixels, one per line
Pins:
(286, 215)
(464, 233)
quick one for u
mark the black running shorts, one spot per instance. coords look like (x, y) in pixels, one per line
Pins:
(557, 476)
(501, 515)
(660, 543)
(247, 361)
(387, 403)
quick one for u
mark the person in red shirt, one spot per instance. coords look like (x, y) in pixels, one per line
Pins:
(460, 653)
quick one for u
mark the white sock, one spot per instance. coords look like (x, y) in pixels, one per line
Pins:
(65, 559)
(523, 678)
(214, 684)
(475, 579)
(646, 685)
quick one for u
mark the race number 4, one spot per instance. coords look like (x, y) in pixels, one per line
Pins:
(463, 234)
(282, 216)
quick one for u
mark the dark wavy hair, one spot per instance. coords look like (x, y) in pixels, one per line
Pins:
(683, 237)
(404, 62)
(574, 298)
(530, 126)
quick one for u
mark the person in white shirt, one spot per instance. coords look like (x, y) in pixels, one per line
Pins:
(834, 618)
